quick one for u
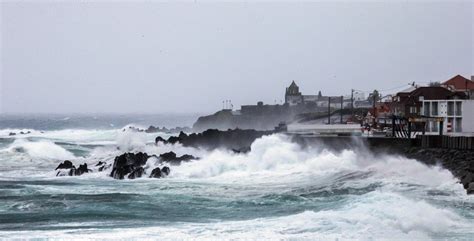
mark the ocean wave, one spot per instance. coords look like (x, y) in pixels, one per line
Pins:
(276, 156)
(376, 215)
(40, 149)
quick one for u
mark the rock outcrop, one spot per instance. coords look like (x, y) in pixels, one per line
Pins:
(172, 158)
(128, 163)
(236, 139)
(68, 169)
(158, 173)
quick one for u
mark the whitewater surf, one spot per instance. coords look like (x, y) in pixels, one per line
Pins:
(277, 190)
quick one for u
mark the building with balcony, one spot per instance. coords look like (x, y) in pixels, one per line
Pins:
(457, 116)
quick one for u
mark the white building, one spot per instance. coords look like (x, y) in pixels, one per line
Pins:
(458, 116)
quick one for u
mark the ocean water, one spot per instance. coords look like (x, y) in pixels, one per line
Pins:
(276, 191)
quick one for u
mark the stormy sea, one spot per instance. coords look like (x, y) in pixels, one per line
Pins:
(278, 190)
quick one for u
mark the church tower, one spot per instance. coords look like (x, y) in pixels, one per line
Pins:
(293, 95)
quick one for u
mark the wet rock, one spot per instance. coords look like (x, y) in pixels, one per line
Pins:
(156, 173)
(470, 188)
(466, 179)
(136, 173)
(213, 138)
(127, 163)
(241, 150)
(80, 170)
(171, 157)
(65, 165)
(159, 139)
(12, 134)
(165, 170)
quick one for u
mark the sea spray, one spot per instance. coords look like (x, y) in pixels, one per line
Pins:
(278, 190)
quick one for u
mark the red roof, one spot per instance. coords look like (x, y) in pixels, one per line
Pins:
(459, 83)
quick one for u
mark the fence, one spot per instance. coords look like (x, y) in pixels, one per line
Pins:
(451, 142)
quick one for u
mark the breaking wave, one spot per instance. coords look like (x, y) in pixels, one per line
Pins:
(278, 190)
(40, 149)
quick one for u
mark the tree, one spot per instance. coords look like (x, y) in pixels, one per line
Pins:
(435, 84)
(371, 97)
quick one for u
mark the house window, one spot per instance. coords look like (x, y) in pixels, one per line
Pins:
(450, 108)
(434, 126)
(458, 125)
(434, 108)
(413, 110)
(458, 108)
(426, 108)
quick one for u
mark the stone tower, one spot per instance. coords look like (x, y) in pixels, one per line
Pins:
(293, 95)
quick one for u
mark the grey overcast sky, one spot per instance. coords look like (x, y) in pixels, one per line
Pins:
(162, 57)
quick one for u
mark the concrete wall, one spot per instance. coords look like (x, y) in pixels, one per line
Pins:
(468, 116)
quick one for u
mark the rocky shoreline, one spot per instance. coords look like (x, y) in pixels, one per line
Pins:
(459, 162)
(131, 165)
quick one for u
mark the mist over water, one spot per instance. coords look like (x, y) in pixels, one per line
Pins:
(278, 190)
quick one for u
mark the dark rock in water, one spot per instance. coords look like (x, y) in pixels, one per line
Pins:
(241, 150)
(73, 171)
(136, 173)
(160, 139)
(172, 158)
(165, 170)
(187, 157)
(168, 156)
(470, 188)
(156, 173)
(65, 165)
(105, 166)
(127, 163)
(153, 129)
(12, 134)
(174, 140)
(467, 179)
(213, 138)
(100, 163)
(79, 171)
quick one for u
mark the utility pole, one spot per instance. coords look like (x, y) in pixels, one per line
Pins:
(468, 92)
(342, 101)
(374, 99)
(329, 110)
(352, 104)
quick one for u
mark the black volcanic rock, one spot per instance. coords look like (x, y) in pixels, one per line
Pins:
(127, 163)
(136, 173)
(79, 171)
(156, 173)
(171, 157)
(73, 171)
(241, 150)
(236, 139)
(467, 178)
(65, 165)
(160, 139)
(470, 188)
(165, 171)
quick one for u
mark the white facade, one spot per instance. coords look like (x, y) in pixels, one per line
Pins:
(458, 116)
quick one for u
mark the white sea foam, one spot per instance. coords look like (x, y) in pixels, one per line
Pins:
(377, 215)
(40, 149)
(274, 165)
(275, 155)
